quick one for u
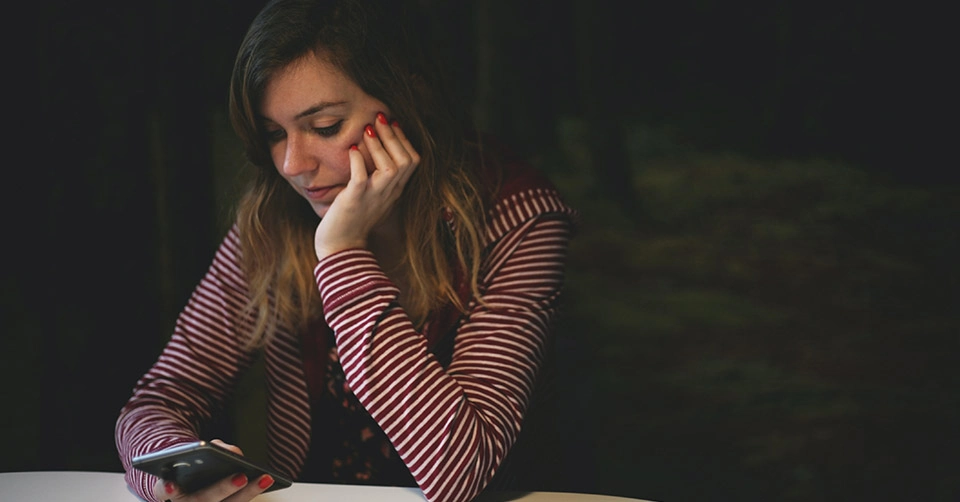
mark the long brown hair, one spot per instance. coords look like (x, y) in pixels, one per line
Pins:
(375, 46)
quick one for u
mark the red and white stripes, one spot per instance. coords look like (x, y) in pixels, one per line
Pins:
(452, 426)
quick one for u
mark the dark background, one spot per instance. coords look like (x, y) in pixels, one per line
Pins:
(763, 292)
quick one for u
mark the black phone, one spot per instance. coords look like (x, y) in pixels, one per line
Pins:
(196, 465)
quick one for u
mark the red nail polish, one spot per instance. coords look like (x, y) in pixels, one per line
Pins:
(370, 131)
(239, 480)
(265, 482)
(168, 487)
(382, 118)
(396, 124)
(354, 147)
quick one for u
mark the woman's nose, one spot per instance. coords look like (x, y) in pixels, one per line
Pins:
(298, 157)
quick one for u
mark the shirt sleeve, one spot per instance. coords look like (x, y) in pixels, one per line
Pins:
(451, 427)
(191, 378)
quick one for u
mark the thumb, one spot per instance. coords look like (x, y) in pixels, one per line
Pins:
(227, 446)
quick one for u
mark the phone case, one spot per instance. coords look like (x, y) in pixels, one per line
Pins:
(196, 465)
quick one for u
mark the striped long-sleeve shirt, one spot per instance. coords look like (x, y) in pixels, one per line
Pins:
(451, 426)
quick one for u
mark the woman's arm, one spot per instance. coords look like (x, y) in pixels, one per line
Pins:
(194, 374)
(451, 427)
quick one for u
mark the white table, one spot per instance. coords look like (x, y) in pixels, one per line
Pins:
(81, 486)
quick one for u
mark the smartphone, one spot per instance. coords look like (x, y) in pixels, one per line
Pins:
(195, 466)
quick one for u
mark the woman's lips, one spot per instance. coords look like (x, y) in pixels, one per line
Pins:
(319, 194)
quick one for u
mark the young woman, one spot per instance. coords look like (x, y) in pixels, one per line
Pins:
(398, 273)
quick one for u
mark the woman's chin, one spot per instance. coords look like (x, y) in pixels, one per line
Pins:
(320, 209)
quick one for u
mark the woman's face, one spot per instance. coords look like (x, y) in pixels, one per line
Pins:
(312, 114)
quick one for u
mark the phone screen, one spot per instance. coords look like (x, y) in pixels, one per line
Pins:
(195, 466)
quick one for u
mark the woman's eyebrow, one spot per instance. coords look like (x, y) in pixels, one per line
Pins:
(319, 107)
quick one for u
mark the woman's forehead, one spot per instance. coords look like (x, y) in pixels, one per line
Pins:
(303, 84)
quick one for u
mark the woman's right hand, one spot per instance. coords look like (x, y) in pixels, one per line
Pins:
(236, 488)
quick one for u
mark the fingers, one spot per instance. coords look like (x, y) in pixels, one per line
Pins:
(164, 490)
(389, 147)
(251, 490)
(358, 168)
(233, 448)
(401, 150)
(412, 152)
(235, 488)
(168, 490)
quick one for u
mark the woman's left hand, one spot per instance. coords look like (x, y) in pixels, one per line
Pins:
(368, 199)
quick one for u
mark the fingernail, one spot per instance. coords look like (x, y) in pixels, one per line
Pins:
(168, 487)
(382, 118)
(396, 124)
(354, 147)
(370, 131)
(239, 480)
(265, 482)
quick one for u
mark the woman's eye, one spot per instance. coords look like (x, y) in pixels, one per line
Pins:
(329, 130)
(274, 136)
